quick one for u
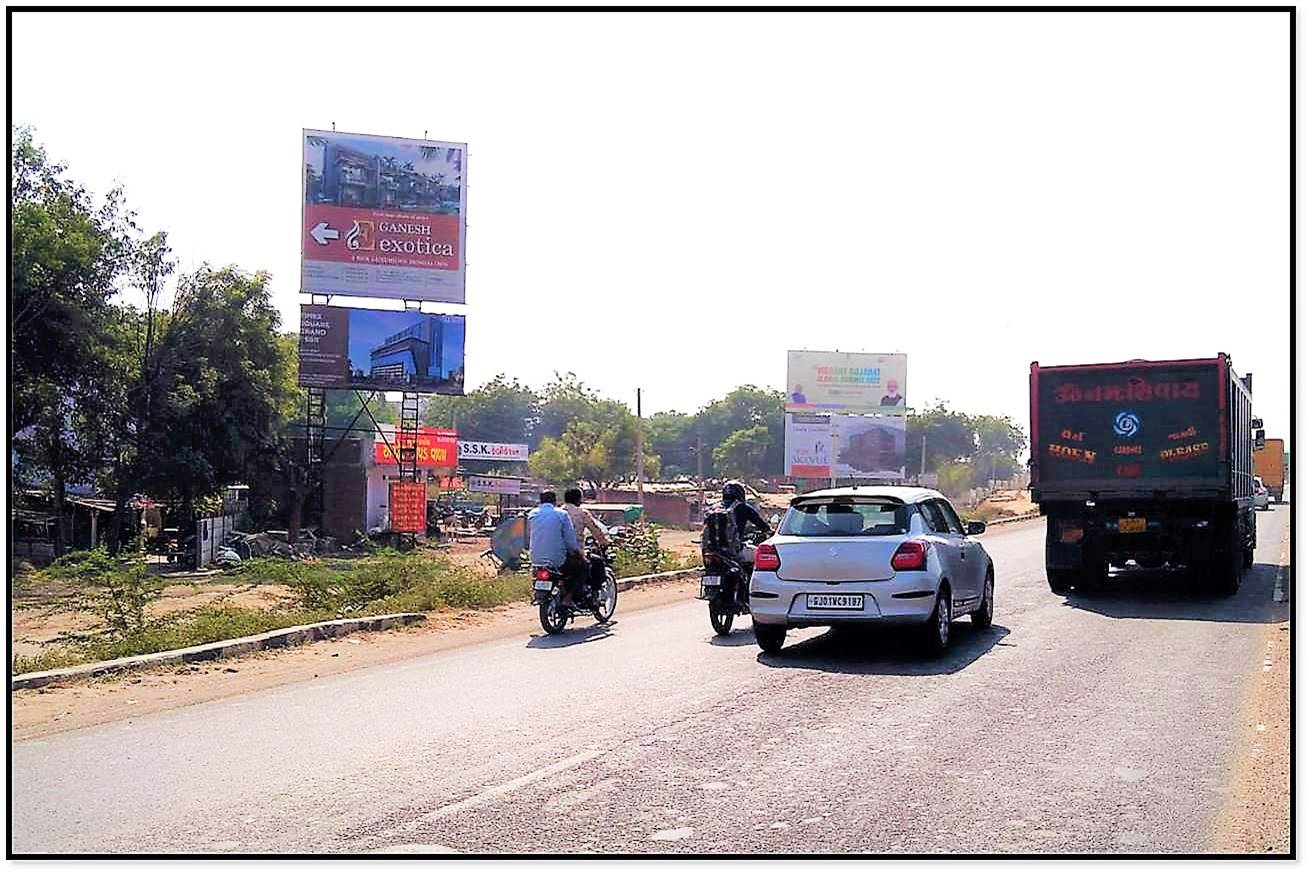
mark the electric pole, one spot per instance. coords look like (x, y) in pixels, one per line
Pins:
(700, 476)
(641, 456)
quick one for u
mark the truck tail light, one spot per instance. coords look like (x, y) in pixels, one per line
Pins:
(1071, 533)
(912, 555)
(766, 557)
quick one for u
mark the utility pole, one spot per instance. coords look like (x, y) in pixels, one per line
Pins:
(700, 475)
(641, 456)
(832, 450)
(923, 457)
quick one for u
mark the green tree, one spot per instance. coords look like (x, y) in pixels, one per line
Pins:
(1000, 442)
(950, 437)
(743, 408)
(65, 255)
(742, 455)
(672, 437)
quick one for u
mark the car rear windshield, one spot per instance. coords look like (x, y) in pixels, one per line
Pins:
(846, 517)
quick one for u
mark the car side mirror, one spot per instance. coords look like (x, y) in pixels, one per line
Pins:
(976, 527)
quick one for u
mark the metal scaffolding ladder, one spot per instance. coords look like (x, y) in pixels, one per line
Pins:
(315, 435)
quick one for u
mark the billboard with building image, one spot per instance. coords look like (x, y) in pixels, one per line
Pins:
(381, 350)
(383, 216)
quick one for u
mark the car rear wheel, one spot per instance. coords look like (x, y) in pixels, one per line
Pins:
(770, 637)
(937, 631)
(982, 617)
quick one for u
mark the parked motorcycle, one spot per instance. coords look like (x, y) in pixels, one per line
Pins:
(598, 597)
(725, 584)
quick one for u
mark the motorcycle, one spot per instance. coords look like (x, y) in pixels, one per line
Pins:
(599, 595)
(725, 584)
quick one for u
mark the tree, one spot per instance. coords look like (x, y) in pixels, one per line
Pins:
(741, 456)
(672, 437)
(1000, 442)
(223, 391)
(743, 408)
(65, 255)
(564, 400)
(596, 451)
(950, 437)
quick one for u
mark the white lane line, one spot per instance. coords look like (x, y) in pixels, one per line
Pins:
(495, 792)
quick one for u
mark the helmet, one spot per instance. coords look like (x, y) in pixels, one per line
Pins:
(733, 491)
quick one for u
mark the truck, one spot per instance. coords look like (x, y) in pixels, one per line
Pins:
(1148, 462)
(1270, 468)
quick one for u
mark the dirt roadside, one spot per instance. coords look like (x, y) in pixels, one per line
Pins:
(1258, 817)
(80, 704)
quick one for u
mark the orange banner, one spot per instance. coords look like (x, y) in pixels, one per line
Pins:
(436, 447)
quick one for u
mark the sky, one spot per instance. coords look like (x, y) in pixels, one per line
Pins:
(672, 201)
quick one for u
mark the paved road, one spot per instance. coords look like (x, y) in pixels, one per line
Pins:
(1073, 725)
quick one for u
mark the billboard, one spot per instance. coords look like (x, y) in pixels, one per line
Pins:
(473, 450)
(435, 447)
(382, 217)
(867, 447)
(845, 382)
(381, 350)
(408, 503)
(494, 485)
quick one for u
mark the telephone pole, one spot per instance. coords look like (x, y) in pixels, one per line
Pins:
(641, 456)
(700, 476)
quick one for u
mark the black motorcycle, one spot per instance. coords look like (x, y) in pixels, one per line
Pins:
(725, 584)
(599, 595)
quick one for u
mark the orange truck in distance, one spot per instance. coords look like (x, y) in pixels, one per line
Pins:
(1269, 467)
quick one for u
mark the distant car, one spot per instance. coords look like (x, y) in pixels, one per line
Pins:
(1261, 494)
(870, 555)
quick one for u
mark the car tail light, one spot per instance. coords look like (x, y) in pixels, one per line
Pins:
(912, 555)
(541, 573)
(766, 557)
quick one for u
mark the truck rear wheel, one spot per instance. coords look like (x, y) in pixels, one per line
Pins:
(1225, 571)
(1060, 580)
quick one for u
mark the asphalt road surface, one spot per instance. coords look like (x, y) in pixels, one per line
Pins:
(1080, 724)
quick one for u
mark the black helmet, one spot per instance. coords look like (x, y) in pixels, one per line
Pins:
(733, 491)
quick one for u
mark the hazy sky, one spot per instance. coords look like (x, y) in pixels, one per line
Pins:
(673, 201)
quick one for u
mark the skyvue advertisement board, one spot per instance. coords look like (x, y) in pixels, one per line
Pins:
(381, 350)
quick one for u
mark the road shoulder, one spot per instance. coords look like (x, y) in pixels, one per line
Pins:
(1257, 819)
(85, 703)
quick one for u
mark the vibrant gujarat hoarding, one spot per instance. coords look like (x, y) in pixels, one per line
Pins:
(381, 350)
(845, 382)
(383, 217)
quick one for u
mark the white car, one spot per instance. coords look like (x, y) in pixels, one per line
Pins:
(871, 554)
(1261, 494)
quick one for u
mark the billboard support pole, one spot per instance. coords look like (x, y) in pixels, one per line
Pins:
(832, 451)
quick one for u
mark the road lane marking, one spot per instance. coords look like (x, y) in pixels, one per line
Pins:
(494, 792)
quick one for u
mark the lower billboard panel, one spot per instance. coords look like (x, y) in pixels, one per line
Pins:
(867, 447)
(381, 350)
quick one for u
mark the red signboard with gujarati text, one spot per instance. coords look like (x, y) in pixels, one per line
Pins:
(409, 507)
(436, 448)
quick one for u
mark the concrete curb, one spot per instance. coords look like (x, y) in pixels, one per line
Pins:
(626, 583)
(220, 649)
(1023, 518)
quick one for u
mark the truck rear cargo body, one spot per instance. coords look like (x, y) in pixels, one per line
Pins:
(1143, 461)
(1270, 467)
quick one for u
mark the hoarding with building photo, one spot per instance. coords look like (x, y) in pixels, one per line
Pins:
(381, 350)
(845, 382)
(383, 217)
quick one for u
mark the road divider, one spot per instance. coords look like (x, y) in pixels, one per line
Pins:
(220, 649)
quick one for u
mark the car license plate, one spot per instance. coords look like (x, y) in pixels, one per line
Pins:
(542, 585)
(834, 602)
(1131, 525)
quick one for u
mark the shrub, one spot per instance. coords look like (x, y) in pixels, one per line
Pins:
(117, 588)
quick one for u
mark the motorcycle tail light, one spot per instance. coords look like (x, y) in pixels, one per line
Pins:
(541, 573)
(912, 555)
(766, 557)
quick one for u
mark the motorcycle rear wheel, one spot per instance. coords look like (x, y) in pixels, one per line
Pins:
(553, 615)
(721, 615)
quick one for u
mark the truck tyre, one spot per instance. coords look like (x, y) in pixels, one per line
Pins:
(1095, 574)
(1225, 576)
(1060, 581)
